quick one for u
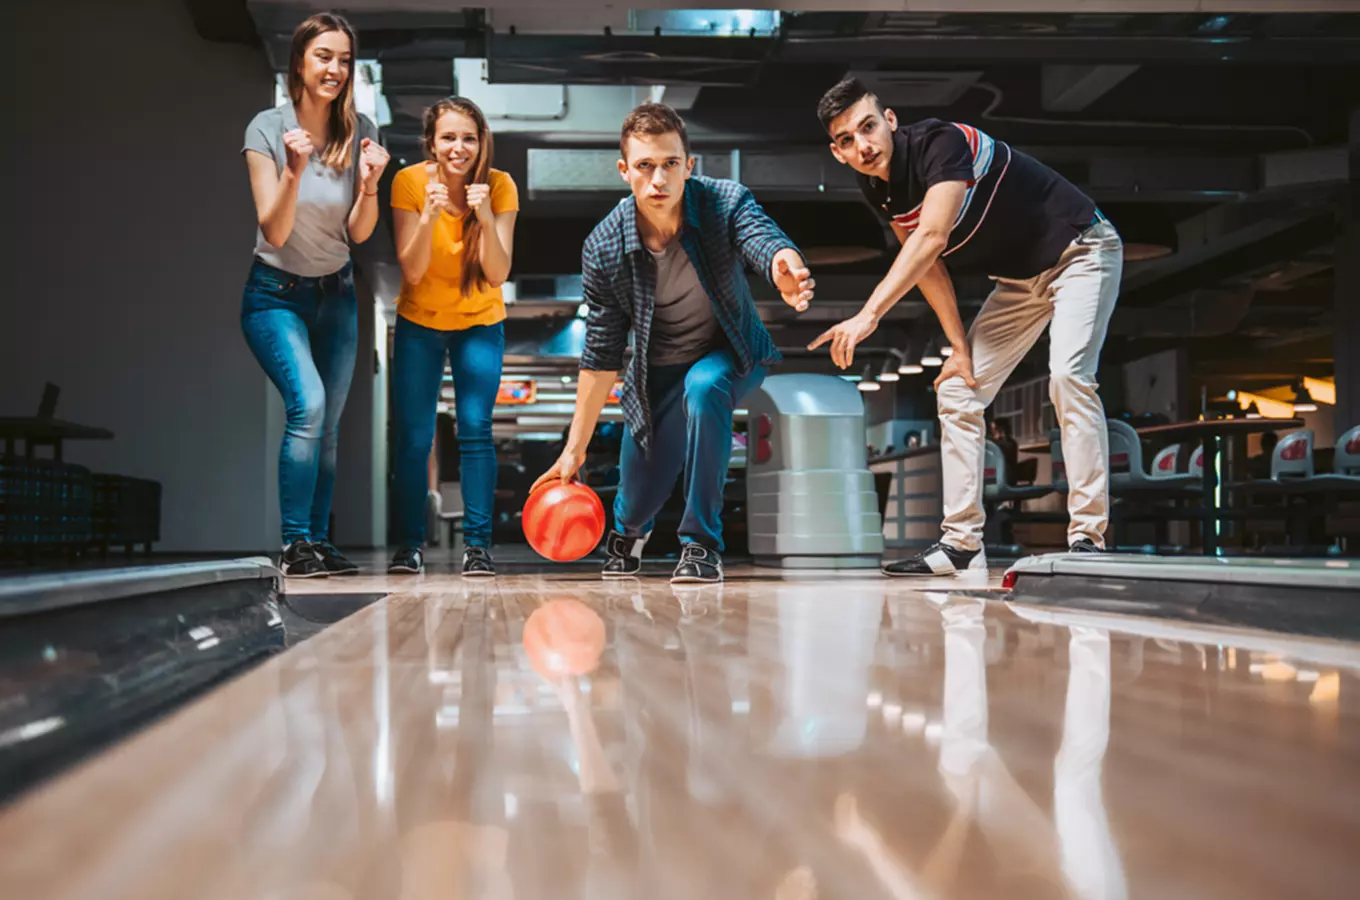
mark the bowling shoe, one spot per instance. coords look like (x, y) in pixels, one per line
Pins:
(300, 560)
(407, 561)
(623, 555)
(1084, 545)
(940, 560)
(334, 561)
(698, 565)
(477, 563)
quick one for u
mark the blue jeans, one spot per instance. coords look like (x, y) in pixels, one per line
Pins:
(305, 333)
(691, 408)
(417, 371)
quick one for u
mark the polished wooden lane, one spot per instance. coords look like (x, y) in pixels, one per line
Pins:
(827, 737)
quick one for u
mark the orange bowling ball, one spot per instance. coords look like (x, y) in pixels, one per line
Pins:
(563, 522)
(564, 637)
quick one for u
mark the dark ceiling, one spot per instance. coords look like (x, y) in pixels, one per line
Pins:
(1221, 137)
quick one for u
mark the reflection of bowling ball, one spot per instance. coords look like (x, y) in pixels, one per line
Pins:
(563, 522)
(563, 637)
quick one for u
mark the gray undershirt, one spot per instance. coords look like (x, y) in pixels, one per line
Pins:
(684, 326)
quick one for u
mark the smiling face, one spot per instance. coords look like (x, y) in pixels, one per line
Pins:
(456, 144)
(861, 137)
(325, 65)
(656, 168)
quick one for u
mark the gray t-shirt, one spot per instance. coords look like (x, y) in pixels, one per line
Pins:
(684, 326)
(319, 242)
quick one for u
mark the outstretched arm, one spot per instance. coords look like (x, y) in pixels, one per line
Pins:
(766, 249)
(920, 253)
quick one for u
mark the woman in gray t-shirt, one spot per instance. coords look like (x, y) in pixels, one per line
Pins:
(314, 169)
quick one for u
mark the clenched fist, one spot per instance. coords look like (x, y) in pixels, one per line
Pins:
(479, 201)
(436, 195)
(297, 144)
(372, 161)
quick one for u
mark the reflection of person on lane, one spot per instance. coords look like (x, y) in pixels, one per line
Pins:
(1076, 848)
(564, 640)
(1089, 855)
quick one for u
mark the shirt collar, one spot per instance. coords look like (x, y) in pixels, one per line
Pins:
(897, 167)
(901, 156)
(689, 205)
(632, 237)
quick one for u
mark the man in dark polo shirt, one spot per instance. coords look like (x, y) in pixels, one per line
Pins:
(669, 264)
(958, 198)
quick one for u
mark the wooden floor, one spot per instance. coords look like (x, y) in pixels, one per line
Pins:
(830, 736)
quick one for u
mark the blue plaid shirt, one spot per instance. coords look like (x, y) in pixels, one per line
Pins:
(724, 227)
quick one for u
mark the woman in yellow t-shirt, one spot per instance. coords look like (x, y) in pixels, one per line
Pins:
(455, 223)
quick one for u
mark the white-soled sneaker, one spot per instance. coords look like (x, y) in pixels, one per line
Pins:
(938, 561)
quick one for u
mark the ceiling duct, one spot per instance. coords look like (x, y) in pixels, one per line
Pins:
(918, 90)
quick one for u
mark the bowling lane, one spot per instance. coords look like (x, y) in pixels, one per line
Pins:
(822, 737)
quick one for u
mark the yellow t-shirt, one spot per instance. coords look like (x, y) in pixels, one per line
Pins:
(438, 300)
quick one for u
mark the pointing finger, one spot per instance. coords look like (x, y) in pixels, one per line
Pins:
(822, 339)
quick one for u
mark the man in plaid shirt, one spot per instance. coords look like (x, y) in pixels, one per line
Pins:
(667, 265)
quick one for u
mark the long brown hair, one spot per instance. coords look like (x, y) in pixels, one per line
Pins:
(344, 120)
(481, 172)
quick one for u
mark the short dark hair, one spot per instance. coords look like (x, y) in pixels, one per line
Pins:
(653, 119)
(846, 93)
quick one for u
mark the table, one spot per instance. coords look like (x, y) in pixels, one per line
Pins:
(37, 431)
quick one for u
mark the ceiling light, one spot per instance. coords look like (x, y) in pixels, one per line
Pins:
(946, 351)
(932, 360)
(910, 369)
(866, 382)
(889, 372)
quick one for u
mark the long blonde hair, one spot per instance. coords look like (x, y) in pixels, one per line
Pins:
(481, 172)
(344, 120)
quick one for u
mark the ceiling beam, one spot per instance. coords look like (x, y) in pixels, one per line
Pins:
(1239, 251)
(1064, 88)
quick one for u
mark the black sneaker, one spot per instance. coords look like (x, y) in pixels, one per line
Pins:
(940, 560)
(334, 561)
(1084, 545)
(407, 561)
(477, 563)
(624, 555)
(698, 565)
(301, 560)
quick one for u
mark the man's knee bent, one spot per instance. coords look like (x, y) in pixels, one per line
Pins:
(707, 388)
(1066, 383)
(955, 397)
